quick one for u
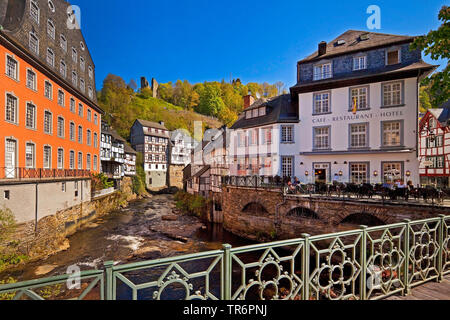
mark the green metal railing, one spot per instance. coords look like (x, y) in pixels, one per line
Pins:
(363, 264)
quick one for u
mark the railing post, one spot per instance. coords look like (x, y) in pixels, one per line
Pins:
(108, 265)
(363, 289)
(227, 272)
(407, 290)
(441, 249)
(305, 267)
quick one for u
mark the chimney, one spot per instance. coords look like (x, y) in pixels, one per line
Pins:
(322, 48)
(248, 101)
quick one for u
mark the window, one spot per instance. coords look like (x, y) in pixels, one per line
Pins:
(74, 78)
(72, 160)
(12, 68)
(255, 113)
(51, 29)
(95, 118)
(88, 137)
(80, 109)
(88, 162)
(51, 6)
(63, 43)
(439, 141)
(359, 173)
(61, 98)
(90, 92)
(34, 11)
(60, 130)
(358, 135)
(63, 69)
(391, 133)
(392, 94)
(82, 86)
(48, 122)
(29, 155)
(392, 171)
(321, 103)
(322, 71)
(74, 55)
(48, 90)
(72, 131)
(359, 63)
(80, 160)
(95, 140)
(82, 64)
(266, 136)
(287, 134)
(248, 114)
(95, 163)
(91, 73)
(63, 186)
(72, 105)
(80, 134)
(60, 158)
(11, 108)
(253, 137)
(359, 96)
(286, 167)
(34, 43)
(392, 57)
(241, 139)
(322, 138)
(31, 79)
(31, 116)
(82, 45)
(47, 157)
(262, 112)
(50, 57)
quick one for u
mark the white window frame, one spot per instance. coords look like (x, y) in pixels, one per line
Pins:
(287, 134)
(318, 104)
(60, 131)
(391, 93)
(359, 63)
(80, 134)
(50, 92)
(63, 68)
(391, 131)
(15, 111)
(72, 159)
(16, 72)
(321, 136)
(61, 98)
(50, 125)
(320, 74)
(74, 55)
(34, 37)
(51, 29)
(33, 155)
(50, 57)
(63, 42)
(34, 84)
(72, 131)
(47, 147)
(36, 16)
(358, 135)
(80, 160)
(33, 126)
(399, 53)
(60, 164)
(358, 96)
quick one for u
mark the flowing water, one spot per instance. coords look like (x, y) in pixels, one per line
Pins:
(133, 234)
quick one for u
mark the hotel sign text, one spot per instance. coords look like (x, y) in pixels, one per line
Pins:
(365, 116)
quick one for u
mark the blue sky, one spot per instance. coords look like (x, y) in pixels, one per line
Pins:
(212, 40)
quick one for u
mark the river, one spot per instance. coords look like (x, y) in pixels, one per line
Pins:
(133, 234)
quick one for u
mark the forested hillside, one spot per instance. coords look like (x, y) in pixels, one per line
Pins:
(123, 106)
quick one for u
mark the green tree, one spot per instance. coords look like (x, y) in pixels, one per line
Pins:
(437, 44)
(210, 102)
(424, 98)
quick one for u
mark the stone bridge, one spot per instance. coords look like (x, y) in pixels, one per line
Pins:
(266, 214)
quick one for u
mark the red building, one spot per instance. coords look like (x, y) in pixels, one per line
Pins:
(434, 144)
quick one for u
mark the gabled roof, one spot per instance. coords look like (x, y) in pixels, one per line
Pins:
(280, 109)
(151, 124)
(442, 114)
(116, 136)
(354, 42)
(129, 149)
(200, 172)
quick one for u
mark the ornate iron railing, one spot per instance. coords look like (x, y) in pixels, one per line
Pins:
(253, 181)
(364, 264)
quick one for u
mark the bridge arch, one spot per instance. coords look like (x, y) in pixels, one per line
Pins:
(255, 208)
(302, 212)
(362, 218)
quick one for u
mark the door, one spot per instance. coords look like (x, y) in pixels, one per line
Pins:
(321, 175)
(10, 159)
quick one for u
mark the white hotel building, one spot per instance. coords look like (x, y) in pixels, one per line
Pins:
(358, 109)
(353, 115)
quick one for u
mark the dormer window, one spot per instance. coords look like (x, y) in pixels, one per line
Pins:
(34, 43)
(322, 71)
(248, 114)
(91, 73)
(51, 29)
(63, 69)
(51, 6)
(359, 63)
(82, 64)
(74, 78)
(262, 111)
(392, 57)
(255, 113)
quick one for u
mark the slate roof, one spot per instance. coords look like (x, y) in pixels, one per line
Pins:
(129, 149)
(353, 42)
(201, 171)
(442, 114)
(280, 109)
(151, 124)
(421, 65)
(116, 136)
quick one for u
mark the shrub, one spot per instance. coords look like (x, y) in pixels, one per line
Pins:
(100, 182)
(191, 204)
(8, 246)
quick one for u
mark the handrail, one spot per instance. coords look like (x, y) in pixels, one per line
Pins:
(304, 267)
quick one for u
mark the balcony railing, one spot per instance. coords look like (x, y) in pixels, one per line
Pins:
(253, 181)
(362, 264)
(39, 174)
